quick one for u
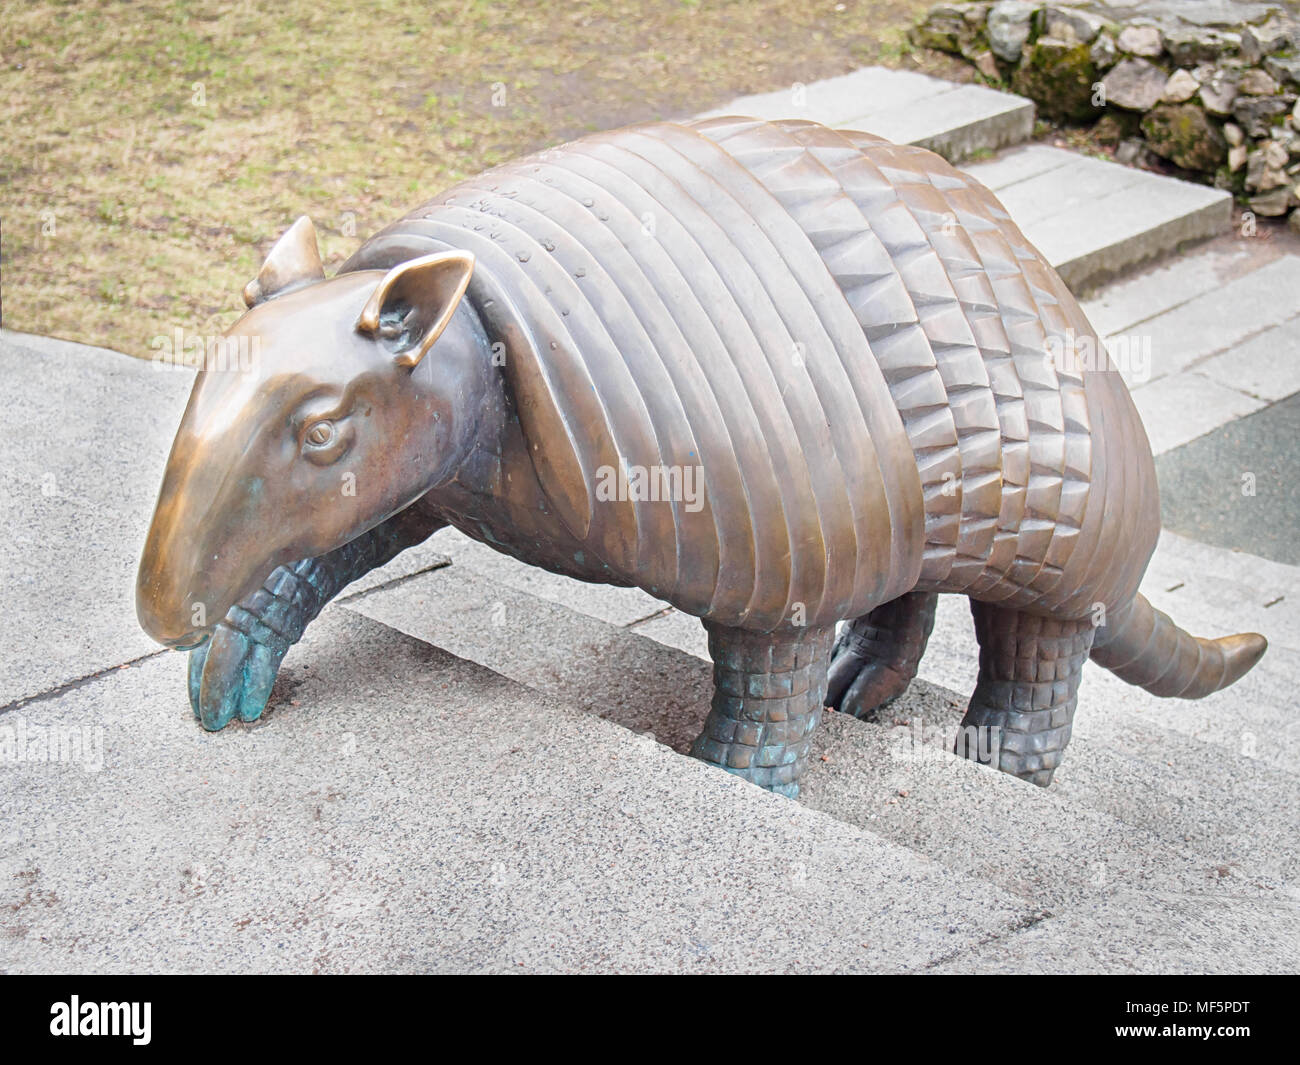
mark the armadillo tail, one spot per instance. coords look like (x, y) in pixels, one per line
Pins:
(1143, 646)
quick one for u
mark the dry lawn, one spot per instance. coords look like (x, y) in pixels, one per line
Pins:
(150, 151)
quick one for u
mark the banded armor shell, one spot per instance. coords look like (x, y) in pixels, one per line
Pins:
(849, 338)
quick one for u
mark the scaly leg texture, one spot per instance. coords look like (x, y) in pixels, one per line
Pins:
(876, 656)
(231, 675)
(1021, 714)
(768, 692)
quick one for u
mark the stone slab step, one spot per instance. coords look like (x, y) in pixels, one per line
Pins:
(1120, 898)
(1186, 406)
(622, 674)
(1160, 287)
(953, 119)
(602, 668)
(1146, 933)
(84, 452)
(1216, 337)
(1211, 776)
(1093, 219)
(1190, 334)
(1195, 789)
(407, 811)
(900, 781)
(1234, 811)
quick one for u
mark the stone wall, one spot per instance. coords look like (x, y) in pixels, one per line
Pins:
(1208, 85)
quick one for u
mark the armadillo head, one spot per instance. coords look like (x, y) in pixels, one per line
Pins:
(331, 410)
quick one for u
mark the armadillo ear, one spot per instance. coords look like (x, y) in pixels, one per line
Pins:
(414, 302)
(293, 262)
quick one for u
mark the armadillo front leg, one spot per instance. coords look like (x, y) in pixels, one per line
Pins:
(768, 690)
(232, 674)
(877, 655)
(1021, 714)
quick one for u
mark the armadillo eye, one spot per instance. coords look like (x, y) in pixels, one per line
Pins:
(321, 434)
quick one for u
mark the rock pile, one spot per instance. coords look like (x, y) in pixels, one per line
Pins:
(1209, 85)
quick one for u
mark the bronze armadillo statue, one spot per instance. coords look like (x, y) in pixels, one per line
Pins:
(775, 374)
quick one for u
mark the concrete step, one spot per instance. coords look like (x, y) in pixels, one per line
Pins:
(898, 779)
(1235, 812)
(653, 675)
(601, 667)
(1161, 287)
(1217, 334)
(955, 120)
(1120, 898)
(1153, 935)
(1131, 875)
(402, 810)
(1092, 218)
(1216, 776)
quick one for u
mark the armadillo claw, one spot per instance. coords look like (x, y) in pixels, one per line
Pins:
(194, 674)
(861, 686)
(873, 689)
(843, 670)
(231, 676)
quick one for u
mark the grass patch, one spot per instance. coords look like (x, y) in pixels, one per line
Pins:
(153, 150)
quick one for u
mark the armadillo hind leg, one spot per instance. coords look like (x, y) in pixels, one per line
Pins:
(231, 675)
(1022, 711)
(877, 655)
(768, 692)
